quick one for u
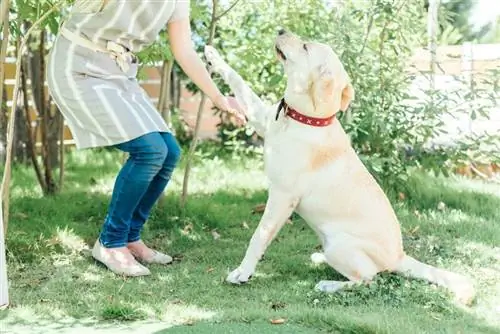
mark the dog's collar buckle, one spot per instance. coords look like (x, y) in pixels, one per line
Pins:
(301, 118)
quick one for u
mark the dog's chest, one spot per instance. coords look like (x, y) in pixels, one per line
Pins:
(286, 160)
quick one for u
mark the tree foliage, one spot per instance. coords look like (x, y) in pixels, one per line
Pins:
(389, 126)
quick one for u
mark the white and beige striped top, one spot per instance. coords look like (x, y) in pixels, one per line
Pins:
(131, 23)
(103, 103)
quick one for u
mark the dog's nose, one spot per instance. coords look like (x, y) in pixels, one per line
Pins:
(281, 32)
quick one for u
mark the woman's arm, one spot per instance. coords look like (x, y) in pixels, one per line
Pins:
(182, 46)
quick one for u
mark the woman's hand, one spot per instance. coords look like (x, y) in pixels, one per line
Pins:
(183, 50)
(231, 106)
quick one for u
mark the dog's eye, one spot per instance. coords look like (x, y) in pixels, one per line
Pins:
(304, 46)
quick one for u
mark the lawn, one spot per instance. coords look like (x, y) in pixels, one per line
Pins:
(56, 287)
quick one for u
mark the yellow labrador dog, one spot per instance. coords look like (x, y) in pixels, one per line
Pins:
(313, 170)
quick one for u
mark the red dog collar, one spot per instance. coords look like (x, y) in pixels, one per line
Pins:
(301, 118)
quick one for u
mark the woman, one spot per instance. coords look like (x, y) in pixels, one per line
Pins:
(92, 78)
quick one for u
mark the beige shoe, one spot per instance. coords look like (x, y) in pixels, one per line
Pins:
(119, 260)
(147, 255)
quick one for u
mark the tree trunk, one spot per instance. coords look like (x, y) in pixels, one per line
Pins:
(55, 123)
(165, 91)
(4, 24)
(19, 153)
(3, 125)
(31, 134)
(49, 132)
(192, 147)
(177, 89)
(4, 282)
(61, 150)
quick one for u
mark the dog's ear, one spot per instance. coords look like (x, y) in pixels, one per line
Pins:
(326, 78)
(347, 97)
(321, 85)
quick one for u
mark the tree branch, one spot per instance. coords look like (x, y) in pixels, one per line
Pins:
(218, 17)
(192, 148)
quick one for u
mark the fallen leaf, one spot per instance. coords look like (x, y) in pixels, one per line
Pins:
(278, 305)
(402, 196)
(177, 257)
(245, 225)
(415, 229)
(20, 215)
(215, 235)
(187, 229)
(279, 321)
(209, 270)
(259, 208)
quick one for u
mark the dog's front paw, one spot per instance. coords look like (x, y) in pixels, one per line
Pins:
(238, 276)
(215, 62)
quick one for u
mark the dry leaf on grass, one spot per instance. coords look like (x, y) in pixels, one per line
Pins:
(259, 208)
(20, 215)
(278, 305)
(414, 230)
(215, 235)
(279, 321)
(187, 229)
(209, 270)
(245, 225)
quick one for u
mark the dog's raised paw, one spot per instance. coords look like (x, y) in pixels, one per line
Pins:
(214, 59)
(238, 276)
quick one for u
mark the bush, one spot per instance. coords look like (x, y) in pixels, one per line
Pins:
(390, 127)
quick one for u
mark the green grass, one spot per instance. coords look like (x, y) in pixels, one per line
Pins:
(55, 284)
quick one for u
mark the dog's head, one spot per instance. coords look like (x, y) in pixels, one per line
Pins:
(317, 81)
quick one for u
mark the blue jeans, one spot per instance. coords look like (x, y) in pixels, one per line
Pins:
(139, 184)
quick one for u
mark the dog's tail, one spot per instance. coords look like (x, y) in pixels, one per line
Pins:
(459, 285)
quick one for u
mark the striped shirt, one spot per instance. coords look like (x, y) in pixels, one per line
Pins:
(103, 104)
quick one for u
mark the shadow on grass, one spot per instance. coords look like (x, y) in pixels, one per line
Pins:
(238, 328)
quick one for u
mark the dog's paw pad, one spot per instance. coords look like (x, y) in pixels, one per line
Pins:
(214, 59)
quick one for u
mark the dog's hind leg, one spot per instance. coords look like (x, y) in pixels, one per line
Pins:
(256, 110)
(346, 255)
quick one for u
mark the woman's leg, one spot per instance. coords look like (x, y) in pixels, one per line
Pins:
(147, 155)
(143, 209)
